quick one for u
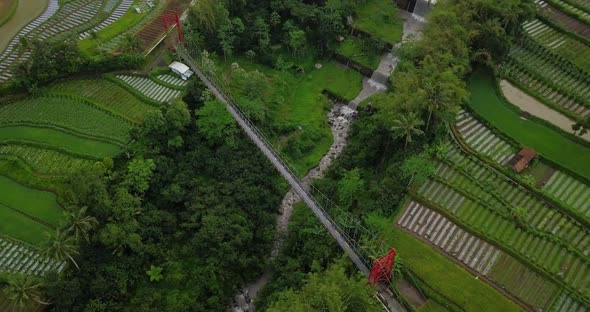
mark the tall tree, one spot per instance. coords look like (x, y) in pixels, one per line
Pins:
(80, 224)
(406, 126)
(61, 246)
(22, 290)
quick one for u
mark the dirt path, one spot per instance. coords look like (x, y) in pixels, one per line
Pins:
(531, 105)
(26, 11)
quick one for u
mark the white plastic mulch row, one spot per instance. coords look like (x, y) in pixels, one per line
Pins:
(570, 191)
(483, 140)
(443, 233)
(120, 38)
(119, 11)
(16, 258)
(149, 88)
(172, 80)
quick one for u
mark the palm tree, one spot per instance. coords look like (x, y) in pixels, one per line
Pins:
(61, 246)
(406, 126)
(21, 289)
(520, 214)
(79, 224)
(435, 98)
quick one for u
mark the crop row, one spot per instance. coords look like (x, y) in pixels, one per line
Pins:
(175, 81)
(555, 71)
(567, 303)
(562, 44)
(107, 94)
(149, 88)
(581, 9)
(482, 139)
(549, 239)
(46, 160)
(17, 258)
(66, 113)
(560, 100)
(569, 191)
(480, 256)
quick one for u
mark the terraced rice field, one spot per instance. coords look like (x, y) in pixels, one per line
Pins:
(560, 43)
(66, 113)
(173, 80)
(497, 266)
(481, 199)
(568, 22)
(570, 192)
(481, 139)
(150, 88)
(110, 96)
(18, 258)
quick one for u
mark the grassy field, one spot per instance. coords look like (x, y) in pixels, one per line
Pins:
(547, 142)
(353, 49)
(443, 275)
(379, 18)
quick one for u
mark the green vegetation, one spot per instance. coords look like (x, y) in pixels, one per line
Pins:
(546, 141)
(379, 18)
(59, 139)
(360, 51)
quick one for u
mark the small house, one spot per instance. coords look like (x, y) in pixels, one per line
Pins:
(522, 159)
(180, 69)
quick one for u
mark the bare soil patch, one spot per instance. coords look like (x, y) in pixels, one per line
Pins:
(26, 12)
(531, 105)
(568, 22)
(413, 295)
(5, 6)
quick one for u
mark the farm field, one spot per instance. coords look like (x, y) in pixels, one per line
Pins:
(379, 18)
(547, 142)
(150, 88)
(436, 270)
(564, 20)
(560, 43)
(481, 200)
(498, 267)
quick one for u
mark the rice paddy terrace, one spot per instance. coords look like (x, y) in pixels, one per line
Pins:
(67, 126)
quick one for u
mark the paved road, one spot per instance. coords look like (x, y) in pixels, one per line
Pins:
(268, 151)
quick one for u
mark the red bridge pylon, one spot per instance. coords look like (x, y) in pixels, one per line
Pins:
(170, 20)
(381, 270)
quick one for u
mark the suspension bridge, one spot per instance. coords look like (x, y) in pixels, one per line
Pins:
(348, 236)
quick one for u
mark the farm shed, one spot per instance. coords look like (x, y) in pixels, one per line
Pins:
(522, 159)
(182, 70)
